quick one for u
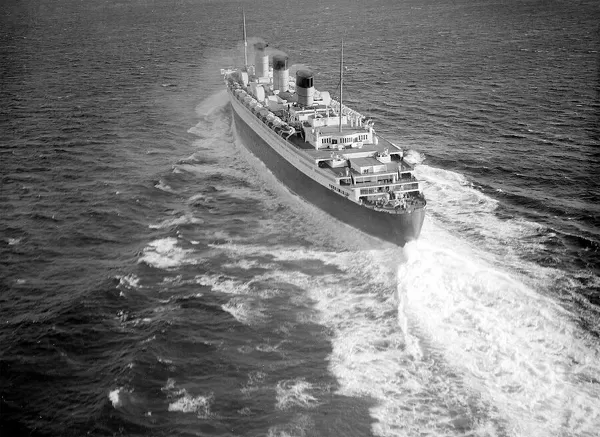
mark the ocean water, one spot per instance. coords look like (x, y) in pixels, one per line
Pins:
(156, 279)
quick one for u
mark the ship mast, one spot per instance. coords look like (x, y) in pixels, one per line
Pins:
(341, 81)
(245, 42)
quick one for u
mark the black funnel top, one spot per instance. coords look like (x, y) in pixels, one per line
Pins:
(304, 78)
(280, 62)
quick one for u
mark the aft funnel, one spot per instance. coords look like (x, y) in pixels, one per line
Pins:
(304, 87)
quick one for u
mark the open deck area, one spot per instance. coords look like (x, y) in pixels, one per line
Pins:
(325, 154)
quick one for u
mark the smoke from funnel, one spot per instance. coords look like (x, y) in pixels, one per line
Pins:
(261, 64)
(281, 72)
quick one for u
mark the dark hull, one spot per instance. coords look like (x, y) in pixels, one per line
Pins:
(395, 228)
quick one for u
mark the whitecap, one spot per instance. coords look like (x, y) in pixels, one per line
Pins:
(164, 187)
(295, 393)
(193, 404)
(115, 397)
(185, 403)
(224, 284)
(165, 254)
(129, 281)
(244, 311)
(177, 221)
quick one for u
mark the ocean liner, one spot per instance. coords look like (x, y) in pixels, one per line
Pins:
(322, 150)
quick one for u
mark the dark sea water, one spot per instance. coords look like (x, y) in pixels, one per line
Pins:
(157, 280)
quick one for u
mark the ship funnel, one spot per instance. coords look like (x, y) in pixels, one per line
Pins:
(261, 60)
(281, 73)
(304, 87)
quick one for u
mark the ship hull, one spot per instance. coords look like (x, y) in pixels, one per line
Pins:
(395, 228)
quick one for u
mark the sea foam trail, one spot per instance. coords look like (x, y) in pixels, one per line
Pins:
(517, 348)
(371, 355)
(480, 354)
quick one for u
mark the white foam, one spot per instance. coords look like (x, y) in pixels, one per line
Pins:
(200, 197)
(126, 320)
(200, 405)
(255, 383)
(14, 241)
(514, 346)
(169, 385)
(173, 280)
(245, 311)
(224, 284)
(271, 348)
(129, 281)
(371, 355)
(177, 298)
(185, 403)
(165, 254)
(164, 187)
(295, 393)
(413, 157)
(241, 264)
(177, 221)
(205, 170)
(458, 207)
(278, 252)
(115, 397)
